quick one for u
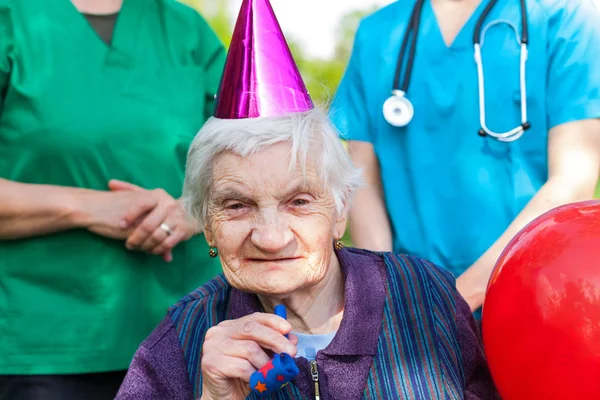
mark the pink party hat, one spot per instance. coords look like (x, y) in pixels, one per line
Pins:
(260, 78)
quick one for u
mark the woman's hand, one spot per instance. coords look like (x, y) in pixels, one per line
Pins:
(110, 214)
(28, 210)
(163, 228)
(235, 349)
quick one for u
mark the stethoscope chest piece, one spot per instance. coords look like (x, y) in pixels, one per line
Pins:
(398, 110)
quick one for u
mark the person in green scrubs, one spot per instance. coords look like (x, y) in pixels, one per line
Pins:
(100, 100)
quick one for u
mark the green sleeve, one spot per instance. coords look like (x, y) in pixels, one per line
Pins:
(6, 44)
(211, 54)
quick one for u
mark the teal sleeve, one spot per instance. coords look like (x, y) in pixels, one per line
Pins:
(213, 56)
(574, 62)
(6, 43)
(348, 111)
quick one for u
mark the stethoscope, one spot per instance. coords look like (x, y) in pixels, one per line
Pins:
(398, 110)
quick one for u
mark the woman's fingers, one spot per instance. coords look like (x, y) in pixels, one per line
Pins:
(148, 228)
(163, 228)
(293, 339)
(136, 207)
(223, 367)
(268, 337)
(157, 237)
(248, 350)
(269, 320)
(115, 184)
(234, 349)
(168, 256)
(169, 242)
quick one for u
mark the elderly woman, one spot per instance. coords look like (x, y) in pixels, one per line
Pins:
(272, 193)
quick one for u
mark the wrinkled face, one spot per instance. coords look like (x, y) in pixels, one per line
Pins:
(274, 227)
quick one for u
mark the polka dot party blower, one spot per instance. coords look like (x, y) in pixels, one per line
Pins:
(276, 373)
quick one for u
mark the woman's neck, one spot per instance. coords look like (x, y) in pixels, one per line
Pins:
(98, 6)
(315, 310)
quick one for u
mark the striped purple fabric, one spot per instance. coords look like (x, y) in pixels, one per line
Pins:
(418, 355)
(411, 363)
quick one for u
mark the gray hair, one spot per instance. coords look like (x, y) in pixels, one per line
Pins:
(309, 131)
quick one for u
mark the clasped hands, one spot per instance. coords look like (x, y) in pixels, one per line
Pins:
(148, 220)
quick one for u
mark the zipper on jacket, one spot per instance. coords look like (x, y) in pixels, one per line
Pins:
(314, 372)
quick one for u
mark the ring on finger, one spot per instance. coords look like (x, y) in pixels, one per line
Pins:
(166, 228)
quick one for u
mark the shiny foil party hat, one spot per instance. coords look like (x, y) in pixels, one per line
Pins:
(260, 78)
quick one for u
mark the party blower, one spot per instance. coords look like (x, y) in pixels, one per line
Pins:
(276, 373)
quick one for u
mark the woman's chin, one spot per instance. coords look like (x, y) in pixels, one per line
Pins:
(276, 278)
(276, 283)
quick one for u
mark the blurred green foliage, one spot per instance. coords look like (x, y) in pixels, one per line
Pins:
(323, 76)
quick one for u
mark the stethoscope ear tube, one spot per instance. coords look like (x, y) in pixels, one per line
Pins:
(412, 32)
(398, 110)
(518, 131)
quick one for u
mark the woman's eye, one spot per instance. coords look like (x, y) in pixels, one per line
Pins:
(235, 206)
(300, 202)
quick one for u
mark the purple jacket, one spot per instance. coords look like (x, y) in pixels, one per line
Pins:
(406, 334)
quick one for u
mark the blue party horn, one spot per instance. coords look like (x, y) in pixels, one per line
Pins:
(276, 373)
(281, 311)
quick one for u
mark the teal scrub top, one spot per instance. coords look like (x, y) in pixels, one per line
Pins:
(76, 112)
(451, 193)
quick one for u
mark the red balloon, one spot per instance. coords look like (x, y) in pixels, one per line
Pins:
(541, 316)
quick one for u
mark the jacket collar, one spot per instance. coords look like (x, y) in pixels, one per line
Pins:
(365, 294)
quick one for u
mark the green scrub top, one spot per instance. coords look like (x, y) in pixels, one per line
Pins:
(76, 112)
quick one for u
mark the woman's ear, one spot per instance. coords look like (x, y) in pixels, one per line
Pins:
(341, 223)
(208, 235)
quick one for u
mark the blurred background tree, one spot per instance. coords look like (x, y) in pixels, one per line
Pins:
(217, 15)
(322, 76)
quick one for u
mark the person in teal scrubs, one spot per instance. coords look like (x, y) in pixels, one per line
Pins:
(440, 187)
(99, 103)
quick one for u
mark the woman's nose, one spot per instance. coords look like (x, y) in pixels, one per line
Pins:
(271, 232)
